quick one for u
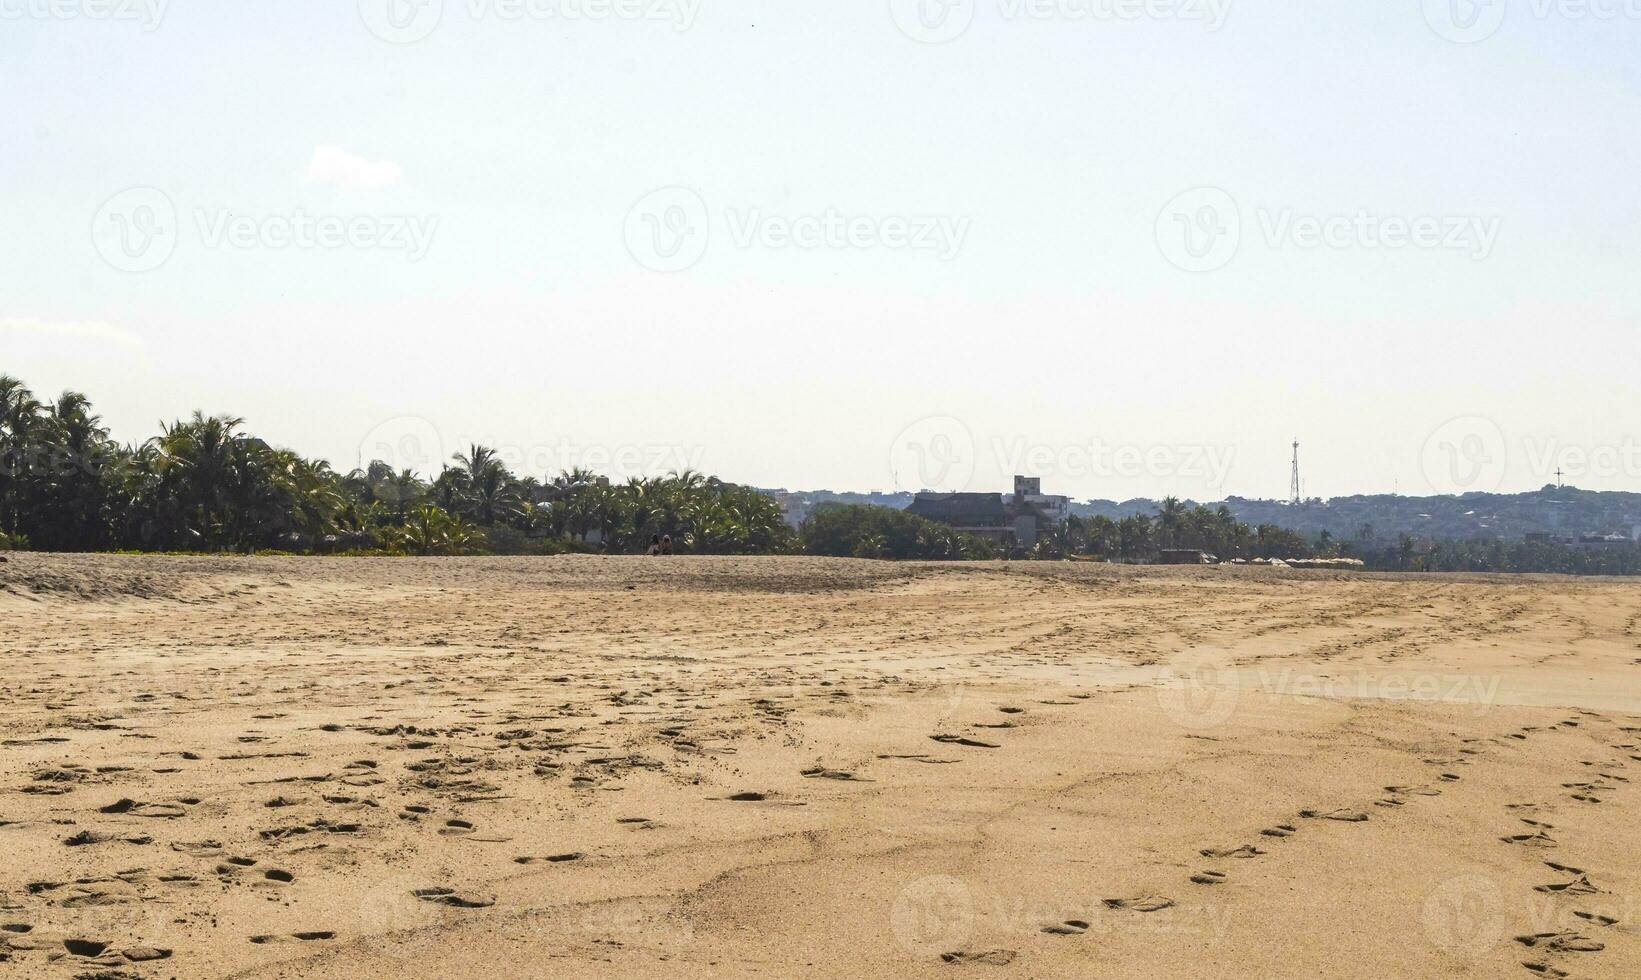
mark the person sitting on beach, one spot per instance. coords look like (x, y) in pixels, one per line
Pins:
(655, 545)
(666, 544)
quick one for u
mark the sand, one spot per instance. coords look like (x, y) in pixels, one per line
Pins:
(730, 767)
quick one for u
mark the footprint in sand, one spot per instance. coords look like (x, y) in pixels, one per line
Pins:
(925, 759)
(448, 896)
(1245, 851)
(1344, 816)
(86, 837)
(1578, 886)
(843, 775)
(991, 957)
(1070, 927)
(1280, 830)
(134, 809)
(1539, 839)
(1561, 942)
(304, 937)
(1600, 920)
(551, 858)
(1147, 903)
(1208, 878)
(1546, 970)
(960, 740)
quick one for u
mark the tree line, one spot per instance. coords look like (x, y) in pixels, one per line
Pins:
(1407, 554)
(203, 484)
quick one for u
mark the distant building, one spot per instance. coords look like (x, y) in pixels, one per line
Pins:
(980, 514)
(1028, 490)
(1184, 556)
(1011, 522)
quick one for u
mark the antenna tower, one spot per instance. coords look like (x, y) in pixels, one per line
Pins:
(1293, 491)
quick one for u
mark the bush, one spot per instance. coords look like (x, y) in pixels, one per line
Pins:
(862, 531)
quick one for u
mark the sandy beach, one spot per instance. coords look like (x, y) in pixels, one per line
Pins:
(286, 767)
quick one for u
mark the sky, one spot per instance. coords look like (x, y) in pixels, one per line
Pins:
(1133, 247)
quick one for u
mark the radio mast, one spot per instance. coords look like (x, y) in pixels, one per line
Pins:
(1293, 491)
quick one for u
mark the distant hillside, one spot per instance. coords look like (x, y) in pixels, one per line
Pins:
(1562, 512)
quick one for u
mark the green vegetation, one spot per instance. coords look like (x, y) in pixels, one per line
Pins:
(1409, 555)
(1140, 537)
(204, 485)
(860, 531)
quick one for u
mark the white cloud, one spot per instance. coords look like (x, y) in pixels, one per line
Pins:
(334, 165)
(94, 330)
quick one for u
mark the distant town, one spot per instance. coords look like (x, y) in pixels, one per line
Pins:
(1558, 515)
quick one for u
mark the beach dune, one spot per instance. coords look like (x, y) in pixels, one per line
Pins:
(691, 767)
